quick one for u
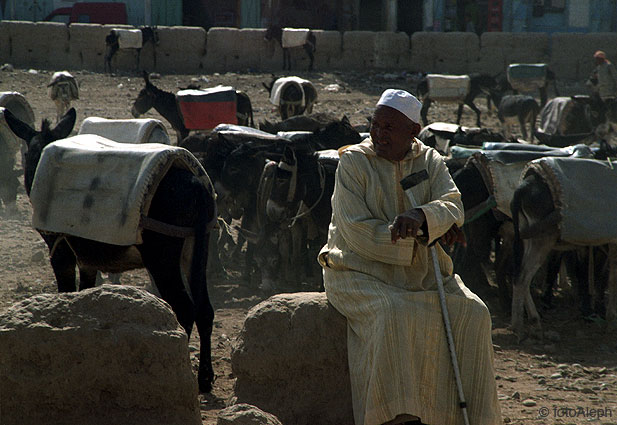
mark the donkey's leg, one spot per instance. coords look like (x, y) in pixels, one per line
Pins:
(137, 59)
(204, 319)
(63, 263)
(309, 51)
(286, 59)
(87, 277)
(161, 256)
(424, 111)
(522, 124)
(473, 108)
(535, 252)
(543, 96)
(110, 51)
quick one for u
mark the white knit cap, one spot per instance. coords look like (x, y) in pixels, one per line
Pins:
(402, 101)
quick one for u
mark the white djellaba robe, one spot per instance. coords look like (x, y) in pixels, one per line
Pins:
(398, 354)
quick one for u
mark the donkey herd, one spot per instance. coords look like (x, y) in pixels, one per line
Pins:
(270, 188)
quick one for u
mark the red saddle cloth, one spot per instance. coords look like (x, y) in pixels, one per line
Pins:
(205, 109)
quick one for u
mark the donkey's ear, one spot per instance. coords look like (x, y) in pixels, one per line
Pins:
(345, 120)
(18, 127)
(65, 125)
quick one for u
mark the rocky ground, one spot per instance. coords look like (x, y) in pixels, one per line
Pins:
(569, 377)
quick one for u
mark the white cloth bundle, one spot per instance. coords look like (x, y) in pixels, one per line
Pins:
(97, 189)
(277, 88)
(448, 87)
(140, 130)
(129, 39)
(295, 37)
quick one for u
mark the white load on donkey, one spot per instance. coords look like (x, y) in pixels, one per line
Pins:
(138, 130)
(134, 131)
(530, 78)
(108, 185)
(565, 121)
(448, 88)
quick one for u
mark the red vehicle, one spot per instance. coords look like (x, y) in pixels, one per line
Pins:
(90, 13)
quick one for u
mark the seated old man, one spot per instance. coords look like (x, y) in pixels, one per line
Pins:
(378, 274)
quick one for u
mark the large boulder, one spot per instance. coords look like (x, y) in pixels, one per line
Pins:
(107, 355)
(290, 359)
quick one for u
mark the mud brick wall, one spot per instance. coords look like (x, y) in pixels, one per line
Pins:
(192, 50)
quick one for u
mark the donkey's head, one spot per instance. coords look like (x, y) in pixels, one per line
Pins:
(274, 32)
(150, 34)
(270, 85)
(37, 140)
(336, 134)
(145, 99)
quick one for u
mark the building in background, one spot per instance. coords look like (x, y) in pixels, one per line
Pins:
(409, 16)
(139, 12)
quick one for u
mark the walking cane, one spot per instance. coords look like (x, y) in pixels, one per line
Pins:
(446, 322)
(407, 183)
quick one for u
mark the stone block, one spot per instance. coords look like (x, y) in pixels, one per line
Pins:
(290, 359)
(221, 46)
(358, 50)
(37, 45)
(111, 354)
(392, 50)
(444, 53)
(180, 50)
(87, 46)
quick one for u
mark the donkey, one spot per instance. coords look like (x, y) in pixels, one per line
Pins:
(309, 122)
(479, 84)
(275, 32)
(303, 183)
(292, 91)
(62, 89)
(519, 108)
(538, 231)
(181, 207)
(112, 44)
(166, 104)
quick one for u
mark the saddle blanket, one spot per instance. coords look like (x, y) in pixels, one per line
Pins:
(527, 76)
(94, 188)
(240, 134)
(139, 130)
(129, 39)
(501, 170)
(554, 117)
(439, 134)
(277, 88)
(452, 88)
(294, 37)
(584, 193)
(205, 109)
(63, 86)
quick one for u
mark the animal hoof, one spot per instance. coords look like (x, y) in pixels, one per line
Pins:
(205, 382)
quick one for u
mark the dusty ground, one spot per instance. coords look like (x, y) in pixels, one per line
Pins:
(568, 378)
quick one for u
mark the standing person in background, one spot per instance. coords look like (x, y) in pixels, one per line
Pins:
(603, 79)
(378, 274)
